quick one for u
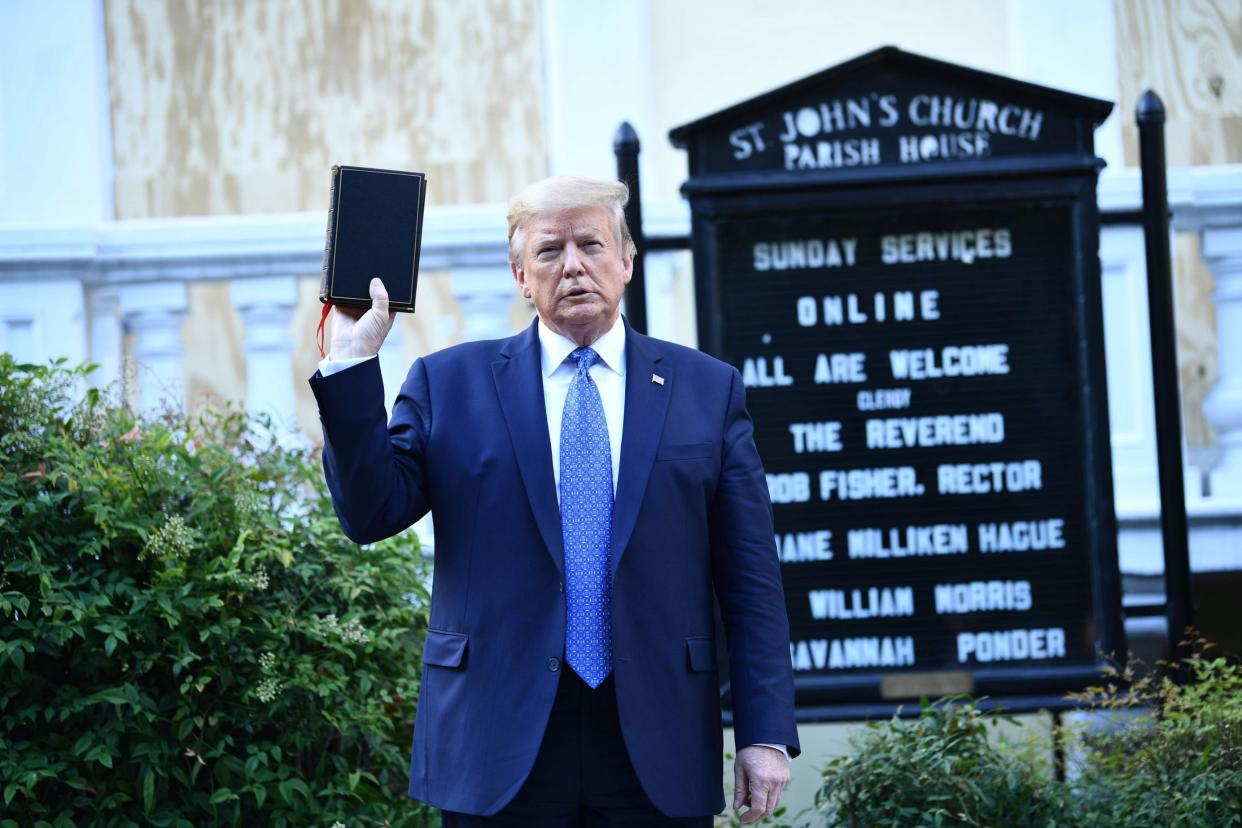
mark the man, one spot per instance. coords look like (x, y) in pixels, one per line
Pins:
(592, 488)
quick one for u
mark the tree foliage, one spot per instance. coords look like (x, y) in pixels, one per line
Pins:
(1175, 761)
(1180, 762)
(187, 638)
(939, 769)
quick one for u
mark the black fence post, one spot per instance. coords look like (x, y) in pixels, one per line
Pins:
(1150, 117)
(625, 146)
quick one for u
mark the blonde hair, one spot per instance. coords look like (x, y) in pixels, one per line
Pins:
(567, 192)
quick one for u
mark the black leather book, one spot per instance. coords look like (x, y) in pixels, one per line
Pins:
(375, 228)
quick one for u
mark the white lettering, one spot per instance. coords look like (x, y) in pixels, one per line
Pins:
(815, 437)
(756, 374)
(1011, 645)
(852, 653)
(963, 246)
(803, 547)
(794, 487)
(987, 478)
(908, 541)
(1022, 536)
(880, 399)
(863, 484)
(804, 254)
(838, 368)
(870, 602)
(983, 596)
(943, 430)
(950, 361)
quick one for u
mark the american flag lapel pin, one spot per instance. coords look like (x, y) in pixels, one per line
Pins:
(657, 379)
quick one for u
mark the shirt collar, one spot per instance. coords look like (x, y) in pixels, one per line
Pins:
(554, 348)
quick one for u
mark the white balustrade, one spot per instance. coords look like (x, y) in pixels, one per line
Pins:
(1222, 250)
(485, 296)
(266, 306)
(104, 334)
(154, 313)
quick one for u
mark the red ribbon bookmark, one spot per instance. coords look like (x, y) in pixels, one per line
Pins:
(327, 306)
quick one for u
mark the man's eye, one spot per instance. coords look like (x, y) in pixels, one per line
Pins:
(546, 252)
(593, 245)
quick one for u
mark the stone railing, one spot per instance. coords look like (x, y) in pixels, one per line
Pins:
(98, 293)
(1208, 202)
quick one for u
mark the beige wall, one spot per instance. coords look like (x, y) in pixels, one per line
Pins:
(1190, 53)
(233, 106)
(709, 54)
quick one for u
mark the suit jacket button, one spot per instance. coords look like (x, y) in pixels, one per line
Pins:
(554, 664)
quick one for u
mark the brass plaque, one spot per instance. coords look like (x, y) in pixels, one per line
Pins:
(932, 685)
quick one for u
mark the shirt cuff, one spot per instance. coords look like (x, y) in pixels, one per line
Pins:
(330, 366)
(781, 748)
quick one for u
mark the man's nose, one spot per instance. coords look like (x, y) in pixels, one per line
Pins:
(573, 261)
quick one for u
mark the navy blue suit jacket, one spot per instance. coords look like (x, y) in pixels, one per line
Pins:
(468, 440)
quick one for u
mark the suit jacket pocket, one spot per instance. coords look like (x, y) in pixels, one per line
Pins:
(445, 649)
(684, 451)
(702, 653)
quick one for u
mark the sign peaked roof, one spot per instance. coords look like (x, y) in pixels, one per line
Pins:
(895, 60)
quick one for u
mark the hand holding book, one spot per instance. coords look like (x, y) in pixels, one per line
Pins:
(359, 332)
(374, 233)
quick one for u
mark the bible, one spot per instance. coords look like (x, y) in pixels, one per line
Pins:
(375, 228)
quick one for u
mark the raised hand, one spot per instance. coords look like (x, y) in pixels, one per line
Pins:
(359, 333)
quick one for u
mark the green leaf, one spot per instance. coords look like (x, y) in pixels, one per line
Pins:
(112, 695)
(148, 791)
(221, 795)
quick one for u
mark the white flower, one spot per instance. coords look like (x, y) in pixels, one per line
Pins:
(353, 632)
(172, 540)
(267, 690)
(350, 632)
(267, 660)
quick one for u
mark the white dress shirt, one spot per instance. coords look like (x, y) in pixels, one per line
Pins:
(558, 371)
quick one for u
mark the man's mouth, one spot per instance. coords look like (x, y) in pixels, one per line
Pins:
(576, 292)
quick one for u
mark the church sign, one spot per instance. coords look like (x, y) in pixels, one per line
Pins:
(900, 256)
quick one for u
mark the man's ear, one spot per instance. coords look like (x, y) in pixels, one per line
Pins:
(519, 276)
(628, 261)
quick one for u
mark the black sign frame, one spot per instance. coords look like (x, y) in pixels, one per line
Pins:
(1067, 179)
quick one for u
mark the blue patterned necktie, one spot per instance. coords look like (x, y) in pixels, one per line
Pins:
(586, 525)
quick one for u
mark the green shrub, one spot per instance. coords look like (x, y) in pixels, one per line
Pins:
(1176, 764)
(188, 638)
(1180, 764)
(939, 769)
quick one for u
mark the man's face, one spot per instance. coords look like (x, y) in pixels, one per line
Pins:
(575, 270)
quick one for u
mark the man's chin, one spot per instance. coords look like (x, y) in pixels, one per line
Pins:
(580, 323)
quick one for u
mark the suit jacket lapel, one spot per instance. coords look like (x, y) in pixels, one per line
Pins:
(646, 403)
(519, 384)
